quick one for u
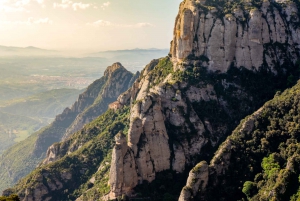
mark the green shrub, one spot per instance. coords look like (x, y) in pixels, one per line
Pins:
(249, 189)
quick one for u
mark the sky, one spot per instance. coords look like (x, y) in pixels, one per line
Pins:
(87, 25)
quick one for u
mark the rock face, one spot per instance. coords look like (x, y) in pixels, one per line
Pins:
(148, 138)
(168, 123)
(123, 167)
(242, 35)
(197, 181)
(90, 105)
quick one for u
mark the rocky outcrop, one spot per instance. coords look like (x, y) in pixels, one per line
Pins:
(247, 36)
(118, 80)
(155, 113)
(123, 167)
(93, 102)
(197, 181)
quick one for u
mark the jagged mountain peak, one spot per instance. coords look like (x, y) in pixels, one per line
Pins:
(111, 69)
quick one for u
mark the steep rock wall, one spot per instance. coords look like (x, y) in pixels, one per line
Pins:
(242, 35)
(167, 129)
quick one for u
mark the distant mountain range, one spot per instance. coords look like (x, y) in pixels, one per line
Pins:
(114, 53)
(26, 51)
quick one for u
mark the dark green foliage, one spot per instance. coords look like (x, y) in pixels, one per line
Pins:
(166, 186)
(267, 157)
(249, 188)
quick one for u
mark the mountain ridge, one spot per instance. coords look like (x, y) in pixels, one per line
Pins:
(222, 67)
(94, 101)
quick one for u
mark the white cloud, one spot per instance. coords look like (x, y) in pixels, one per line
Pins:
(29, 21)
(100, 23)
(70, 4)
(80, 5)
(144, 24)
(64, 4)
(105, 5)
(103, 23)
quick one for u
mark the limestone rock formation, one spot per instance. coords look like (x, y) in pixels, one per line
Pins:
(216, 37)
(218, 165)
(241, 35)
(148, 137)
(197, 181)
(123, 167)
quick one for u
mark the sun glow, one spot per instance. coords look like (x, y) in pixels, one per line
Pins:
(87, 24)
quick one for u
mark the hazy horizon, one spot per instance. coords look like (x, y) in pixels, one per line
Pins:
(87, 25)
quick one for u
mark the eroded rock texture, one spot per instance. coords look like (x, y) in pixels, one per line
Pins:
(243, 36)
(167, 127)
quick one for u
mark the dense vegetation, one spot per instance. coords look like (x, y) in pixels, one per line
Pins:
(265, 160)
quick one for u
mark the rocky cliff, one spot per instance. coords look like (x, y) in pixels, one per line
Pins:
(90, 104)
(170, 124)
(240, 33)
(226, 60)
